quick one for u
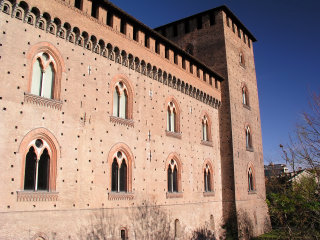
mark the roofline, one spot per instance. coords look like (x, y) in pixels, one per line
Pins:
(158, 36)
(220, 8)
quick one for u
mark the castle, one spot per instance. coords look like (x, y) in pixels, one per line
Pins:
(101, 114)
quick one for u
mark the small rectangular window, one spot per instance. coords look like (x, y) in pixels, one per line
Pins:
(199, 22)
(110, 19)
(175, 30)
(175, 58)
(135, 33)
(123, 234)
(78, 4)
(167, 53)
(212, 19)
(157, 47)
(94, 9)
(123, 26)
(146, 41)
(187, 27)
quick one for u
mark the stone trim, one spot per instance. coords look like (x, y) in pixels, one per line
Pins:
(41, 101)
(246, 106)
(174, 195)
(36, 196)
(207, 143)
(120, 196)
(173, 134)
(122, 121)
(209, 194)
(249, 149)
(252, 192)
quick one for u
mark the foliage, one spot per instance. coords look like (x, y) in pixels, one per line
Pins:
(294, 202)
(203, 234)
(304, 147)
(295, 207)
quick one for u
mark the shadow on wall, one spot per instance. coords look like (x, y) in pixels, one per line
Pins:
(147, 221)
(240, 225)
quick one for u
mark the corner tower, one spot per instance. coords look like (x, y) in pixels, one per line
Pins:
(219, 39)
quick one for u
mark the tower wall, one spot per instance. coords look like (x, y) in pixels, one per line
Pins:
(219, 46)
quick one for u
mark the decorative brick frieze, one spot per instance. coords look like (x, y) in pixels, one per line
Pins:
(120, 196)
(174, 194)
(207, 143)
(173, 134)
(249, 149)
(252, 192)
(122, 121)
(209, 194)
(41, 101)
(36, 196)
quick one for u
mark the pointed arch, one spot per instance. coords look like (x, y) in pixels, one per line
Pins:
(251, 177)
(45, 155)
(208, 174)
(206, 127)
(45, 57)
(173, 169)
(248, 137)
(120, 164)
(122, 86)
(173, 111)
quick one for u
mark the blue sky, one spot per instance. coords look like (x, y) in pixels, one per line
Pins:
(287, 54)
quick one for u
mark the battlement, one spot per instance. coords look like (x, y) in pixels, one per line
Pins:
(112, 16)
(206, 20)
(53, 25)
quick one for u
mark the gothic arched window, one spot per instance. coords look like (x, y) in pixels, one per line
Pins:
(37, 166)
(205, 129)
(245, 96)
(251, 186)
(43, 75)
(207, 179)
(120, 101)
(173, 176)
(119, 172)
(248, 138)
(173, 115)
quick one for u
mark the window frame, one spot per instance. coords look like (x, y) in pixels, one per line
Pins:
(251, 184)
(120, 195)
(245, 96)
(172, 108)
(53, 145)
(248, 138)
(173, 161)
(206, 119)
(208, 167)
(55, 58)
(127, 86)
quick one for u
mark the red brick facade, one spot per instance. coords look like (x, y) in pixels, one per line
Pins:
(70, 156)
